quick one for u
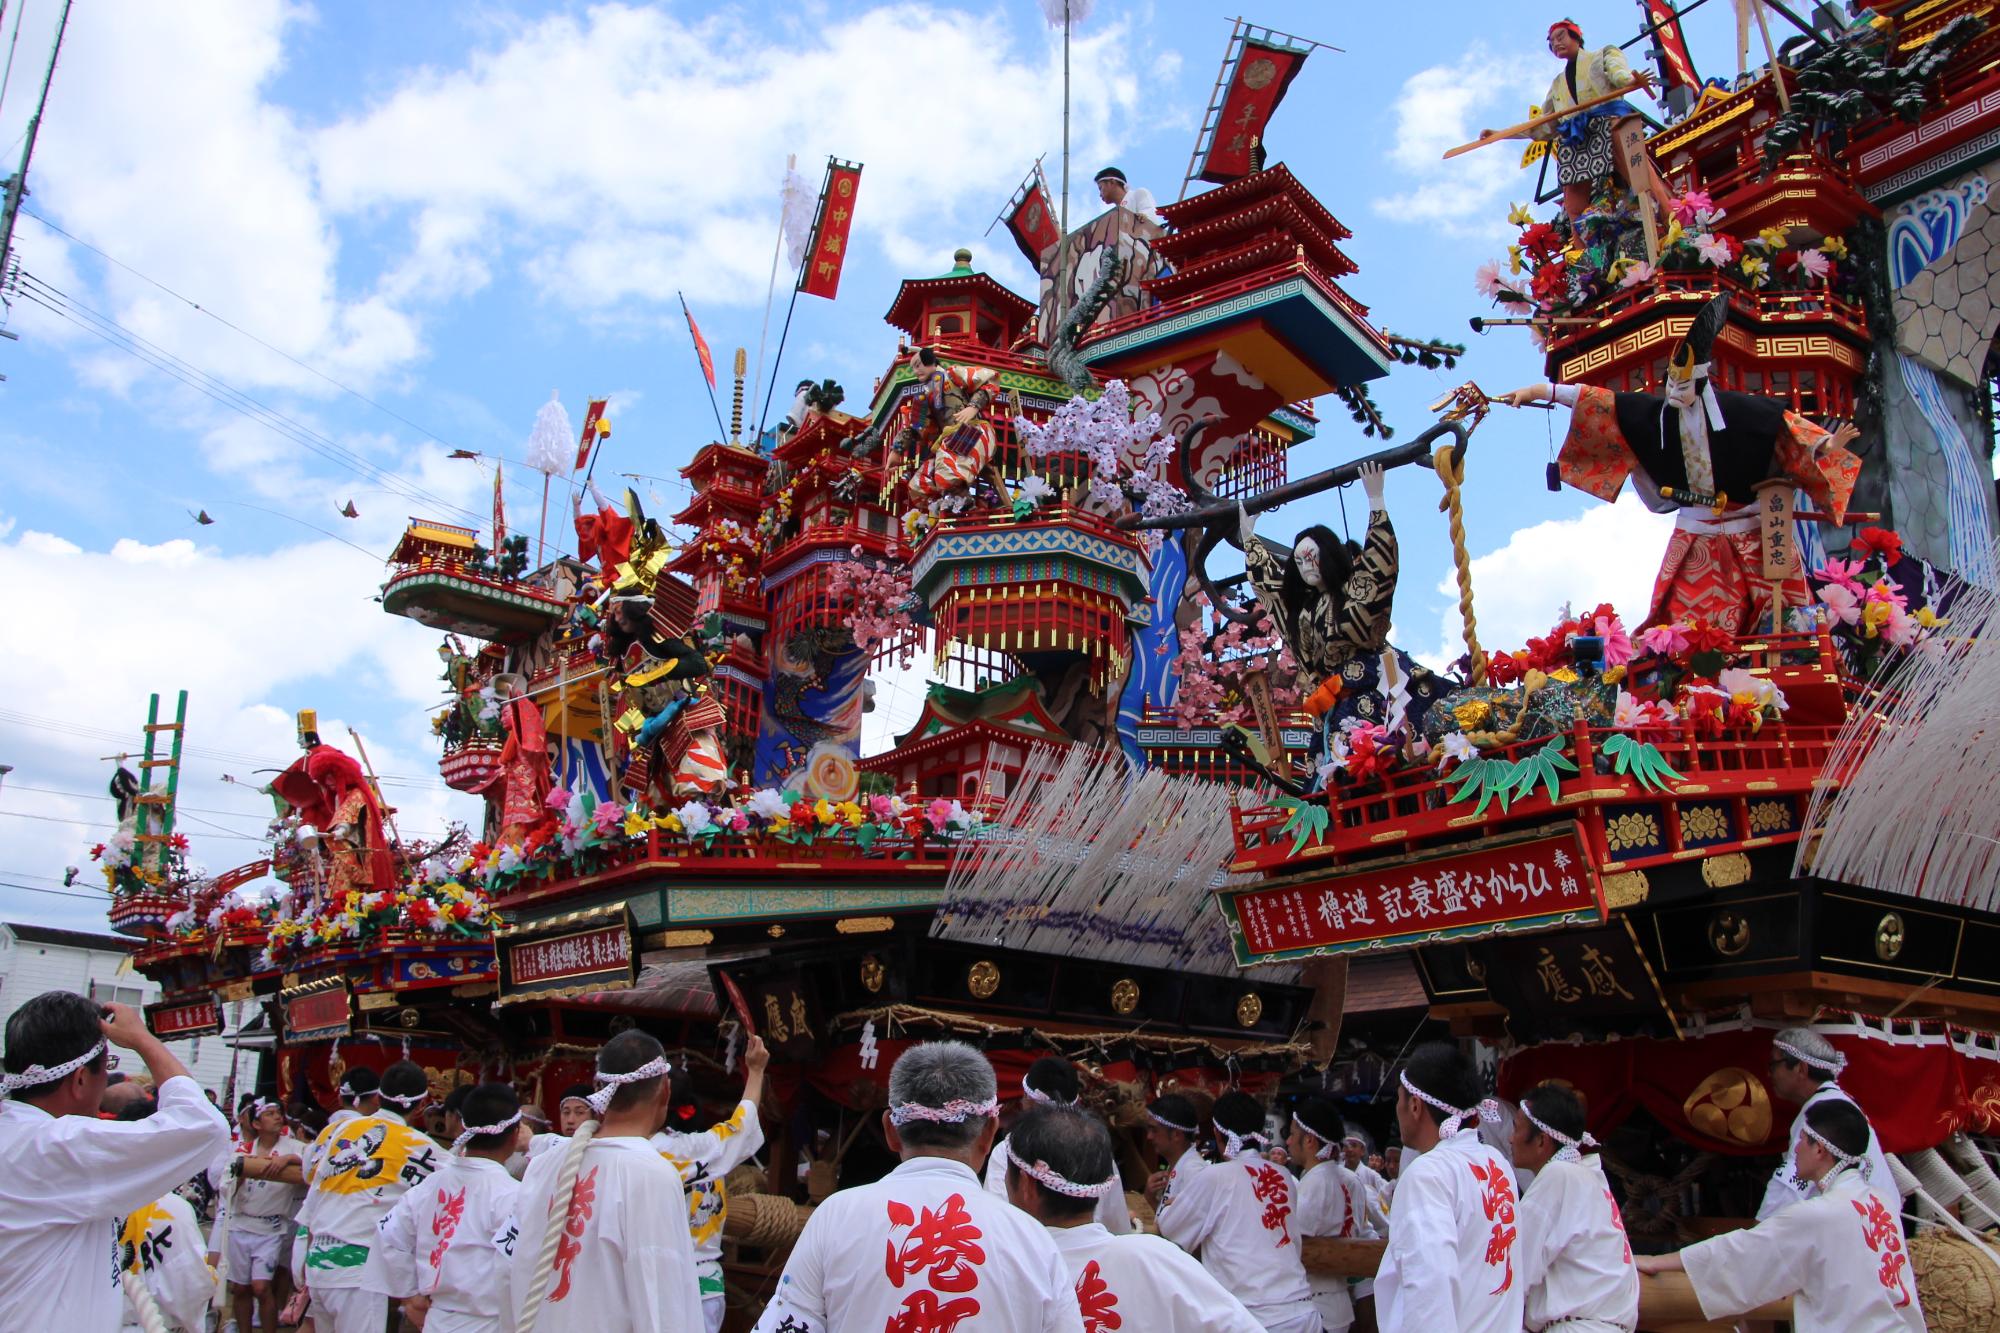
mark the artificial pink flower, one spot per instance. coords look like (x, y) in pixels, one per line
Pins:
(1617, 643)
(1886, 591)
(881, 807)
(938, 812)
(1666, 640)
(1690, 205)
(1815, 264)
(1840, 571)
(1842, 603)
(1901, 627)
(1636, 274)
(1714, 249)
(1486, 279)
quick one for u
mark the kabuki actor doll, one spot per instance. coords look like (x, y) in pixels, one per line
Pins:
(1237, 1216)
(1450, 1263)
(1331, 600)
(524, 761)
(1599, 141)
(945, 438)
(1839, 1255)
(1573, 1261)
(327, 789)
(1711, 449)
(1058, 1166)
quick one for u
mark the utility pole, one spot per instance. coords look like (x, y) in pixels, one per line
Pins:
(17, 184)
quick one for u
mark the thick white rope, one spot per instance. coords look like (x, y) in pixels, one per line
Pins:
(1910, 1185)
(554, 1224)
(143, 1305)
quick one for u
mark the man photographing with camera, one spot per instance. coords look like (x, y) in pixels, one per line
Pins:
(66, 1177)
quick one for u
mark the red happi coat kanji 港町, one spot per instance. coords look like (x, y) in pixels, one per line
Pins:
(1237, 1217)
(1712, 572)
(923, 1250)
(1450, 1260)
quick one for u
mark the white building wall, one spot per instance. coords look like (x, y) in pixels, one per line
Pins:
(27, 969)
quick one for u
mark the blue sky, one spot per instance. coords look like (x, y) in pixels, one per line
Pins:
(452, 210)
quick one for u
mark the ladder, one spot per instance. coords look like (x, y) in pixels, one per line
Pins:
(1216, 97)
(154, 822)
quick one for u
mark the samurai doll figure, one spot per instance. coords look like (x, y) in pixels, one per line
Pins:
(1331, 600)
(524, 761)
(1602, 140)
(1700, 454)
(945, 435)
(328, 789)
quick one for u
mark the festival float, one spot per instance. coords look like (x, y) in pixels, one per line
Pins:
(1185, 825)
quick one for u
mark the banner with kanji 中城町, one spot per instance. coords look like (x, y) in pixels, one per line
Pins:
(828, 252)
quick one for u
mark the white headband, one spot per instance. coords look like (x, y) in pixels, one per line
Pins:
(260, 1106)
(600, 1101)
(474, 1131)
(1049, 1176)
(36, 1075)
(953, 1112)
(406, 1101)
(1488, 1109)
(1861, 1164)
(1834, 1066)
(1571, 1150)
(1326, 1145)
(1165, 1123)
(1232, 1142)
(1035, 1094)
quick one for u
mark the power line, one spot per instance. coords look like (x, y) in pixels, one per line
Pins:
(100, 796)
(68, 728)
(66, 307)
(55, 893)
(571, 482)
(193, 304)
(90, 823)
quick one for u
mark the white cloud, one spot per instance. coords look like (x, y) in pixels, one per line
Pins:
(251, 638)
(627, 152)
(1446, 105)
(1607, 553)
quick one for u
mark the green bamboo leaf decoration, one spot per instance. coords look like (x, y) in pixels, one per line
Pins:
(1309, 819)
(1489, 777)
(1642, 759)
(1544, 767)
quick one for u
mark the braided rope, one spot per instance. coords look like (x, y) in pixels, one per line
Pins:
(143, 1305)
(554, 1224)
(1451, 471)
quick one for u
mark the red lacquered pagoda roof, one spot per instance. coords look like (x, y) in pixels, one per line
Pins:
(1276, 179)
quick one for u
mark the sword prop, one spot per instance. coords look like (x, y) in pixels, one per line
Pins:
(1549, 117)
(1718, 503)
(1217, 518)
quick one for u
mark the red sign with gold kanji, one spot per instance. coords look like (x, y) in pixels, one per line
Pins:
(171, 1020)
(1263, 73)
(1501, 884)
(821, 274)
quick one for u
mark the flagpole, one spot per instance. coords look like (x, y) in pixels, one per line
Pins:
(721, 435)
(776, 361)
(1065, 198)
(771, 288)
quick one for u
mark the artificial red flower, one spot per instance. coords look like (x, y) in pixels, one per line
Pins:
(1551, 281)
(421, 912)
(1710, 639)
(1502, 669)
(97, 852)
(1879, 541)
(178, 842)
(802, 814)
(1541, 240)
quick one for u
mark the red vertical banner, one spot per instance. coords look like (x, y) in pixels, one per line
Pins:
(828, 251)
(1674, 61)
(592, 421)
(1031, 220)
(1263, 72)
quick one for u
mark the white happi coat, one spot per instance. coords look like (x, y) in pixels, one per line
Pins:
(1450, 1261)
(1840, 1257)
(1330, 1205)
(928, 1246)
(1238, 1215)
(1785, 1187)
(1112, 1210)
(703, 1160)
(1571, 1257)
(64, 1183)
(161, 1246)
(261, 1207)
(1191, 1164)
(438, 1241)
(360, 1168)
(624, 1260)
(1142, 1284)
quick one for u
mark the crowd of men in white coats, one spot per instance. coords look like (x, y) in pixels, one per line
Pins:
(617, 1226)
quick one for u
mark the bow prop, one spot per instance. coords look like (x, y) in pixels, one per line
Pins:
(1217, 518)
